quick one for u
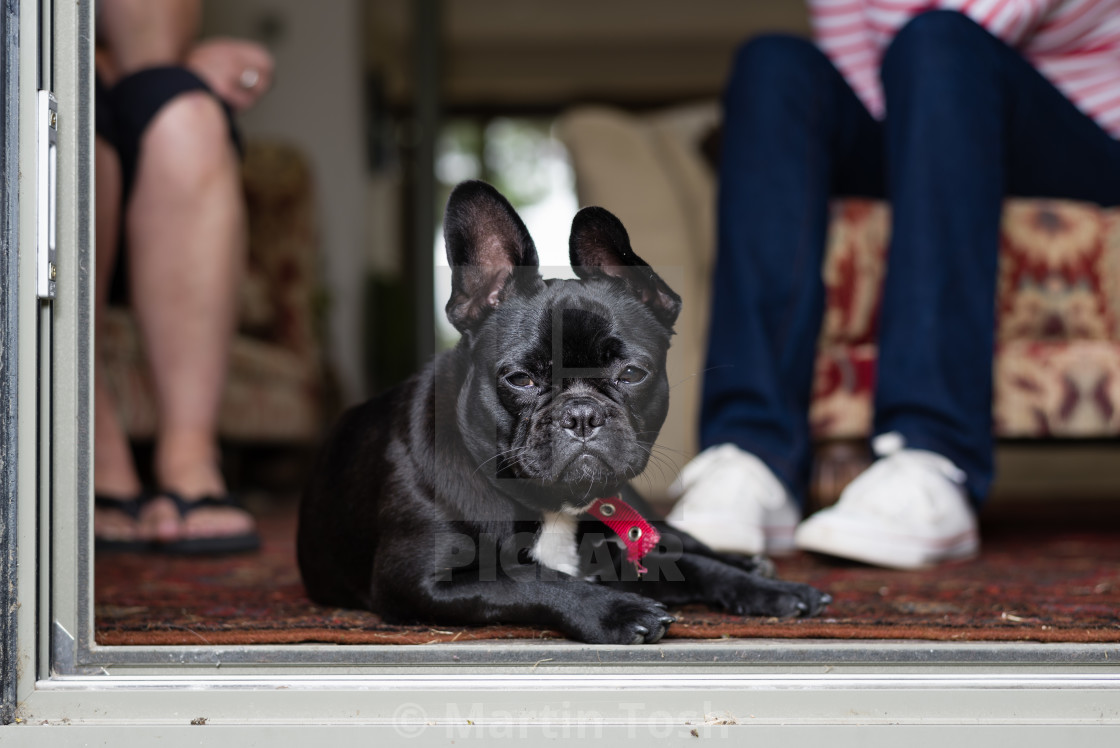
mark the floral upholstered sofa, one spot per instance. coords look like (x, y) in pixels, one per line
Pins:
(1057, 361)
(276, 385)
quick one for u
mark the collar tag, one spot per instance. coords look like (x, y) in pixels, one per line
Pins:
(638, 535)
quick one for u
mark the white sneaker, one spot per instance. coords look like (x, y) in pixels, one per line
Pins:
(906, 511)
(732, 501)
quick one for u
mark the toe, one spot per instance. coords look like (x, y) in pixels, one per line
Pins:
(159, 520)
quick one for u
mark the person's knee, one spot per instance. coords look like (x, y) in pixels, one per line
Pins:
(930, 38)
(190, 138)
(772, 63)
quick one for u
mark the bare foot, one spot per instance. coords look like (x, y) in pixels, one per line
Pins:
(114, 475)
(188, 465)
(115, 525)
(115, 478)
(216, 522)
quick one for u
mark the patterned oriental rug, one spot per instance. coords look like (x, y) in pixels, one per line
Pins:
(1043, 582)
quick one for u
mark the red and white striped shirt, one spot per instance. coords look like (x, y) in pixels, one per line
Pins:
(1074, 43)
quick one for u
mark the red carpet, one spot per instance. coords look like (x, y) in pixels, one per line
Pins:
(1047, 582)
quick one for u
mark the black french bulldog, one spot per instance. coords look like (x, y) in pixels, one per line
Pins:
(468, 495)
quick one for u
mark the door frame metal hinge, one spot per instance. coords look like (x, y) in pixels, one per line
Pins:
(46, 257)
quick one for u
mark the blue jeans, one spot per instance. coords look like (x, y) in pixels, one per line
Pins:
(969, 121)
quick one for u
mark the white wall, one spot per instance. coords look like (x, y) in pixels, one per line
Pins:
(316, 103)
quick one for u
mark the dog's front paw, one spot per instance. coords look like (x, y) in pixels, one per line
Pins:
(623, 618)
(772, 598)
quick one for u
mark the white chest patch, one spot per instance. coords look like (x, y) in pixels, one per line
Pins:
(556, 543)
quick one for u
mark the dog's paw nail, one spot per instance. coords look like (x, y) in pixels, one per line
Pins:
(667, 620)
(826, 599)
(802, 608)
(658, 604)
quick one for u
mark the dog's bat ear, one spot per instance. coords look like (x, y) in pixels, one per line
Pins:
(490, 252)
(599, 246)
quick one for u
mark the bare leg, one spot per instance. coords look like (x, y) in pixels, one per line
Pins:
(114, 474)
(186, 229)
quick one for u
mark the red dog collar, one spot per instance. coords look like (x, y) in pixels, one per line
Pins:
(638, 535)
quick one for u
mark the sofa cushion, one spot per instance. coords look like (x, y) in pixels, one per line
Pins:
(1068, 388)
(1059, 271)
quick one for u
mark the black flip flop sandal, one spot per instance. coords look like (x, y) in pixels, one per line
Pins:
(216, 545)
(130, 507)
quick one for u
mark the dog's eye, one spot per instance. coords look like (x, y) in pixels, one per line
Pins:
(520, 380)
(632, 375)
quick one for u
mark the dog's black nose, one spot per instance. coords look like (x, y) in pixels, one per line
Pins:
(582, 418)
